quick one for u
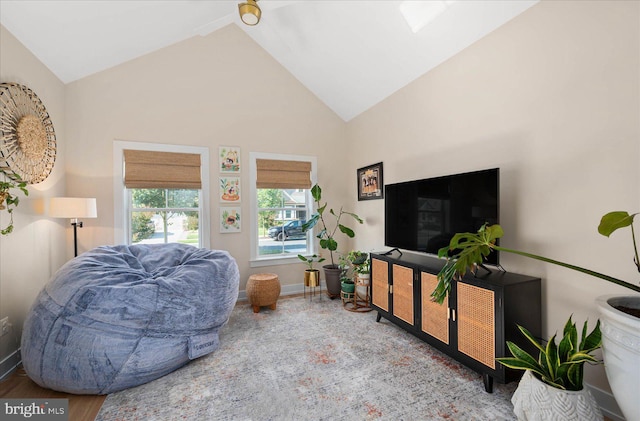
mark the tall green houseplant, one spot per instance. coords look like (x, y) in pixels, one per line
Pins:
(328, 231)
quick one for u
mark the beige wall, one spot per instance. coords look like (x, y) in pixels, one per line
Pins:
(553, 99)
(36, 248)
(222, 89)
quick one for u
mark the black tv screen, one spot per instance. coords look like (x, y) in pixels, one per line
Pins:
(423, 215)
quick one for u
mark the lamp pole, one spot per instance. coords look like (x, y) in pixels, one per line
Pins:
(75, 224)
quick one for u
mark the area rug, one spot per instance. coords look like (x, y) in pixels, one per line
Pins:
(313, 360)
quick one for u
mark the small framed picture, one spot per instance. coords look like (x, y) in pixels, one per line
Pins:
(229, 159)
(230, 189)
(370, 184)
(230, 220)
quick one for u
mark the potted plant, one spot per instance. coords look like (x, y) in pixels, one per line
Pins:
(361, 268)
(347, 285)
(552, 386)
(311, 275)
(346, 278)
(8, 200)
(360, 261)
(620, 318)
(327, 236)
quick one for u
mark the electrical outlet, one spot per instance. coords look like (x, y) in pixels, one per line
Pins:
(4, 326)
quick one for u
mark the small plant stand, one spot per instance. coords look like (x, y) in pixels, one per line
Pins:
(347, 297)
(356, 301)
(312, 290)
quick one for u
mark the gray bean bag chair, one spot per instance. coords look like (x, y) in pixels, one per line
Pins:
(117, 317)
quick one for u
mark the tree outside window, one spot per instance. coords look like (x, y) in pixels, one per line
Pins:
(165, 216)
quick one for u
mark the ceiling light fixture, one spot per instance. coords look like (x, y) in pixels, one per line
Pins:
(250, 12)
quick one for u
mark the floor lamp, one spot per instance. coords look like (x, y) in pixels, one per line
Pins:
(73, 208)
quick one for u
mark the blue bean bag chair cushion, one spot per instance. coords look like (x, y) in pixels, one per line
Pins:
(120, 316)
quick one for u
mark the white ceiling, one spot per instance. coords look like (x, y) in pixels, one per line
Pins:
(350, 54)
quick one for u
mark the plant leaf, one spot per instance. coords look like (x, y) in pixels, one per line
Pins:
(316, 193)
(346, 230)
(614, 220)
(531, 338)
(356, 217)
(551, 361)
(565, 348)
(311, 222)
(518, 364)
(594, 340)
(522, 355)
(471, 249)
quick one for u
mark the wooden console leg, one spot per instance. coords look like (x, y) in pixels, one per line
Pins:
(256, 309)
(273, 306)
(488, 383)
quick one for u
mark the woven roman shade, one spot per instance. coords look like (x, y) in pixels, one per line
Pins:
(279, 174)
(169, 170)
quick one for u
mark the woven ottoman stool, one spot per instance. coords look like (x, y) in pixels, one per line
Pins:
(263, 289)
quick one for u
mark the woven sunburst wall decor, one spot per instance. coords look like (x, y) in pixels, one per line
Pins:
(27, 138)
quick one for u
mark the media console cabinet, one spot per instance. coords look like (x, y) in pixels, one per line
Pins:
(473, 324)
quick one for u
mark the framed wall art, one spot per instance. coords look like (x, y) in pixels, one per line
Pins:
(230, 189)
(370, 183)
(229, 159)
(230, 220)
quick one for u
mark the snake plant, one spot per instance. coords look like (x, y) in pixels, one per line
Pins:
(471, 249)
(558, 365)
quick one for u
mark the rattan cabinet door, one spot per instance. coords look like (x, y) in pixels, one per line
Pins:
(403, 293)
(476, 323)
(380, 284)
(435, 317)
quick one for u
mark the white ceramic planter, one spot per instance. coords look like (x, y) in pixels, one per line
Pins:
(534, 400)
(621, 351)
(362, 284)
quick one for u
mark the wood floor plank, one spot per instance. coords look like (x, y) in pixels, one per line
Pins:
(81, 407)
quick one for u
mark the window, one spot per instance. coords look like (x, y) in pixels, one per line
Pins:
(164, 216)
(162, 196)
(281, 203)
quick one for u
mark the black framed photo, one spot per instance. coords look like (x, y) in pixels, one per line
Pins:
(370, 184)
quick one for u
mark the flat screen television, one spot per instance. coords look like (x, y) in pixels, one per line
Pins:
(423, 215)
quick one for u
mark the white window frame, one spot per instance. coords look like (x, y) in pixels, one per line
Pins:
(255, 260)
(121, 222)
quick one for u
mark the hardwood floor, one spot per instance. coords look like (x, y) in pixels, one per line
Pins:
(81, 407)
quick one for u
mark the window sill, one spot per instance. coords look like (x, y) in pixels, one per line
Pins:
(274, 261)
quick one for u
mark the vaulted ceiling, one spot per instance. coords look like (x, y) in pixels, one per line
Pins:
(350, 54)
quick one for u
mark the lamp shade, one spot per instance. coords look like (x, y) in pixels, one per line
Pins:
(73, 207)
(249, 12)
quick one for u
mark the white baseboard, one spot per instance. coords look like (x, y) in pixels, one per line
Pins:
(9, 364)
(284, 290)
(607, 403)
